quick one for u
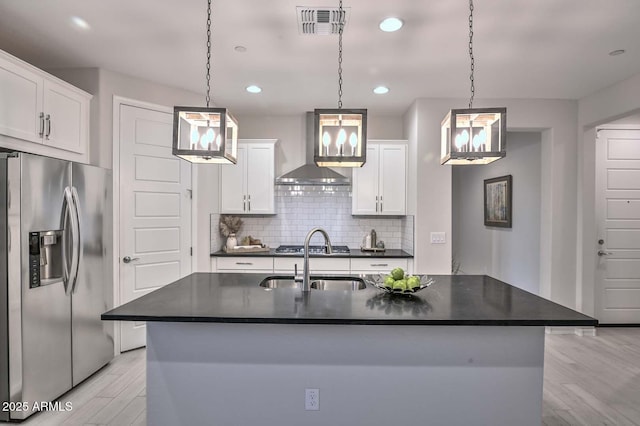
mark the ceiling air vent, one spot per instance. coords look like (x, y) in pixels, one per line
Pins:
(321, 20)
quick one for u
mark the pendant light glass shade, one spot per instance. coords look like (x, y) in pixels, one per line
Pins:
(340, 137)
(205, 135)
(474, 136)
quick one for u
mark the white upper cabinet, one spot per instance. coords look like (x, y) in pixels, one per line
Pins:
(40, 113)
(21, 94)
(380, 186)
(248, 186)
(66, 126)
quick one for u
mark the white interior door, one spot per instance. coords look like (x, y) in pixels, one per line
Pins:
(618, 216)
(155, 211)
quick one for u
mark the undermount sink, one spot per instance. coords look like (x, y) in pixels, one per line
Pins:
(280, 282)
(342, 283)
(317, 283)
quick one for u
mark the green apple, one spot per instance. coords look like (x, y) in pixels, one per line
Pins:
(400, 285)
(413, 282)
(397, 273)
(388, 281)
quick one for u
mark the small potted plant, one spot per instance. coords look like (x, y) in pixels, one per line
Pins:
(229, 227)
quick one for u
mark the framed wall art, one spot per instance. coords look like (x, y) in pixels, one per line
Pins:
(497, 201)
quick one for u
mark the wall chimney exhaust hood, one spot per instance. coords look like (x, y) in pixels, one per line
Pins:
(309, 174)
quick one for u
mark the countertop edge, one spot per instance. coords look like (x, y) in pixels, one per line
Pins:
(337, 321)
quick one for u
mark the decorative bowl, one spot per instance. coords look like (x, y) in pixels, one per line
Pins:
(377, 280)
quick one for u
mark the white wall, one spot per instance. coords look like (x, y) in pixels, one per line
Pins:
(508, 254)
(556, 120)
(604, 106)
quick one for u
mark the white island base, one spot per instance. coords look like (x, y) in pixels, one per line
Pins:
(256, 374)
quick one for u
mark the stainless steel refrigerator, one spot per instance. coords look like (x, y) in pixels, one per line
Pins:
(56, 278)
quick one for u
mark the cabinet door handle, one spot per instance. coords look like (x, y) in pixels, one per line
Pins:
(381, 204)
(244, 263)
(41, 133)
(48, 120)
(249, 202)
(376, 204)
(244, 203)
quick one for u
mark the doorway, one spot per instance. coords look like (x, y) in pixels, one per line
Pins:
(154, 201)
(617, 271)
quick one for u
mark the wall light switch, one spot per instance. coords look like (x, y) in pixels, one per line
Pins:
(438, 238)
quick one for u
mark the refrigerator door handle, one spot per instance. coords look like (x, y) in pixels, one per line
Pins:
(77, 248)
(69, 216)
(66, 199)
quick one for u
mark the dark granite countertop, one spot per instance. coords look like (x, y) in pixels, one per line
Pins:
(389, 253)
(452, 300)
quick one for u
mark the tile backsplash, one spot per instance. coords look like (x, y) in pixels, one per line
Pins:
(297, 214)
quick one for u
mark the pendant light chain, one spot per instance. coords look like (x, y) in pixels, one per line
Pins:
(340, 28)
(473, 88)
(208, 53)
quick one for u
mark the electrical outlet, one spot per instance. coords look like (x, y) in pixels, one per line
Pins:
(438, 238)
(312, 399)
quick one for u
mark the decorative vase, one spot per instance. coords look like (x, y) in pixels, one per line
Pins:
(232, 241)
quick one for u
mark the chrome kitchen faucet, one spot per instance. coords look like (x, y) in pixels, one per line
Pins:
(305, 265)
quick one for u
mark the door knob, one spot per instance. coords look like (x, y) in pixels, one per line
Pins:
(128, 259)
(604, 253)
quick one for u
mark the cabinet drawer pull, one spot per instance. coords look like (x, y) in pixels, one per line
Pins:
(244, 263)
(379, 264)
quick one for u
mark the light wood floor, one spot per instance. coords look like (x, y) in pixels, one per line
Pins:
(587, 381)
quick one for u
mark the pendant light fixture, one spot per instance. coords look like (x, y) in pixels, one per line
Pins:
(340, 135)
(473, 135)
(204, 134)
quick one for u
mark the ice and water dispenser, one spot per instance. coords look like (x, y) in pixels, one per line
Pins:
(45, 258)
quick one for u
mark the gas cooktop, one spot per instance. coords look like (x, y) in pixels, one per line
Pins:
(312, 249)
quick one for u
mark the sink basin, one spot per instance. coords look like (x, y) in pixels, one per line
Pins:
(317, 283)
(280, 282)
(341, 283)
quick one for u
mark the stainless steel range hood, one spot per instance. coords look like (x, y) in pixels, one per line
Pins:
(309, 174)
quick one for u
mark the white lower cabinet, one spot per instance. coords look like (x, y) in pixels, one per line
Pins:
(377, 265)
(244, 264)
(318, 265)
(286, 265)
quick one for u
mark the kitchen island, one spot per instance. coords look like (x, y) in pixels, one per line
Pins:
(222, 350)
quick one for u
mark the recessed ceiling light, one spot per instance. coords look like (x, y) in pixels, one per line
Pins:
(381, 90)
(254, 89)
(617, 52)
(240, 49)
(391, 24)
(80, 23)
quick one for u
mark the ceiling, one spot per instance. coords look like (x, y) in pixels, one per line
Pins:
(523, 48)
